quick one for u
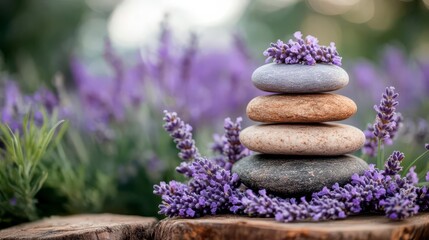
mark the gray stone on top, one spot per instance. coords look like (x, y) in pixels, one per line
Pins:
(297, 78)
(295, 176)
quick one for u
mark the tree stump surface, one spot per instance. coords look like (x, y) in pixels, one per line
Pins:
(109, 226)
(87, 226)
(236, 227)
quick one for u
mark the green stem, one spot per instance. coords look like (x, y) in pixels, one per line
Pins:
(413, 162)
(379, 155)
(30, 209)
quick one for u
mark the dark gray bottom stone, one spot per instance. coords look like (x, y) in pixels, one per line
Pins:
(294, 176)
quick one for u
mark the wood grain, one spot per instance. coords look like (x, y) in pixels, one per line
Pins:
(88, 226)
(108, 226)
(235, 227)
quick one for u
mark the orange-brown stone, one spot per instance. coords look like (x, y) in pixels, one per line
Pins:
(303, 108)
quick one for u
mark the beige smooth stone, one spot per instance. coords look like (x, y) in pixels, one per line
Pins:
(303, 108)
(322, 139)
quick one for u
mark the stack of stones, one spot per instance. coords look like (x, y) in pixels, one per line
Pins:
(298, 151)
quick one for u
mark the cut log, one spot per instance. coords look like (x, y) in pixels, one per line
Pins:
(88, 226)
(108, 226)
(235, 227)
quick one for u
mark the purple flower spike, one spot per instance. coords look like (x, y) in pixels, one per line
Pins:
(182, 136)
(387, 123)
(228, 147)
(393, 164)
(233, 150)
(302, 51)
(211, 190)
(386, 120)
(401, 205)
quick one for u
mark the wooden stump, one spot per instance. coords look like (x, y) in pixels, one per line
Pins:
(88, 226)
(108, 226)
(235, 227)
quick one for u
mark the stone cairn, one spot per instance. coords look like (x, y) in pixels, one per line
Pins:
(298, 151)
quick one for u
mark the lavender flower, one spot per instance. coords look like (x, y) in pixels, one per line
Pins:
(393, 164)
(211, 190)
(182, 136)
(325, 208)
(233, 150)
(385, 120)
(291, 210)
(400, 206)
(265, 205)
(423, 196)
(396, 125)
(260, 204)
(387, 123)
(302, 51)
(228, 148)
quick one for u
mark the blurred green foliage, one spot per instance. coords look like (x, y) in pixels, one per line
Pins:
(37, 37)
(22, 171)
(408, 24)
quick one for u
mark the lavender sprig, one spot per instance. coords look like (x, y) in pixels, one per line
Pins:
(385, 128)
(233, 150)
(385, 123)
(228, 147)
(402, 205)
(302, 51)
(182, 136)
(393, 163)
(211, 190)
(423, 196)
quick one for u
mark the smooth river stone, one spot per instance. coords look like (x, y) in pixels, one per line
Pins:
(323, 139)
(296, 175)
(297, 78)
(304, 108)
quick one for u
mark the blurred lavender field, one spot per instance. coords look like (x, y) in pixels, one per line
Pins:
(115, 128)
